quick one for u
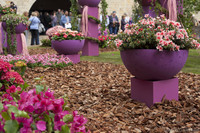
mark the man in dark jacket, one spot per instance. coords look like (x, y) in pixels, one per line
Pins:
(114, 23)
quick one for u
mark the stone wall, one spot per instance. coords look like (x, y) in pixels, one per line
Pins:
(120, 6)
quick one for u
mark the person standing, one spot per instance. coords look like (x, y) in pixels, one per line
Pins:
(34, 25)
(66, 21)
(54, 19)
(47, 21)
(13, 6)
(114, 23)
(59, 15)
(123, 23)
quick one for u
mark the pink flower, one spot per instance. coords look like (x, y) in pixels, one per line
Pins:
(159, 48)
(65, 36)
(41, 125)
(146, 15)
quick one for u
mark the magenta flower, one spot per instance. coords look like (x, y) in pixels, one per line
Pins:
(41, 125)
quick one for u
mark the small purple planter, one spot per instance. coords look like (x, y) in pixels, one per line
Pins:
(91, 3)
(153, 65)
(18, 29)
(68, 47)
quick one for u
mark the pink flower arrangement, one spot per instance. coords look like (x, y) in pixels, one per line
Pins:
(67, 35)
(156, 33)
(34, 111)
(50, 32)
(37, 60)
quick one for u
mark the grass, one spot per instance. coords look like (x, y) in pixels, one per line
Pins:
(192, 65)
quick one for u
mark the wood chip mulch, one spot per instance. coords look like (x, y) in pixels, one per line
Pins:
(101, 92)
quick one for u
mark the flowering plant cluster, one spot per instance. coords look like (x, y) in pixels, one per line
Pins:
(34, 111)
(67, 35)
(51, 31)
(6, 10)
(8, 77)
(14, 19)
(155, 33)
(42, 60)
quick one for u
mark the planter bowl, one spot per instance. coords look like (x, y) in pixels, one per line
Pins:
(20, 28)
(153, 65)
(91, 3)
(67, 47)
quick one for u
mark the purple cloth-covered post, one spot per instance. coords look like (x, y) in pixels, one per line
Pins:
(19, 43)
(91, 48)
(150, 92)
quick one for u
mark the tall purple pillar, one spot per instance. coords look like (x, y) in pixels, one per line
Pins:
(91, 48)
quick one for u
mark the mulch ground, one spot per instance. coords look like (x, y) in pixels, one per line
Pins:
(101, 92)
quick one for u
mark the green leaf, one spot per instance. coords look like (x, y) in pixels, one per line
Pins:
(5, 116)
(1, 85)
(1, 107)
(65, 129)
(22, 114)
(39, 88)
(12, 109)
(68, 118)
(24, 86)
(11, 126)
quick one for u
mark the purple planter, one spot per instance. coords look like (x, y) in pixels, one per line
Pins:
(68, 47)
(18, 29)
(91, 3)
(153, 65)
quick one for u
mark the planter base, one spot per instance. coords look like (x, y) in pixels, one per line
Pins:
(150, 92)
(74, 58)
(90, 48)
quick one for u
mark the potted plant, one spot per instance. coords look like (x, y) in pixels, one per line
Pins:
(51, 31)
(91, 3)
(68, 43)
(5, 10)
(155, 48)
(14, 23)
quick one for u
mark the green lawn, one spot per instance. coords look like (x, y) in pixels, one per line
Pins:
(192, 65)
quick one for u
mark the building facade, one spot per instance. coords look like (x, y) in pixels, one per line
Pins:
(119, 6)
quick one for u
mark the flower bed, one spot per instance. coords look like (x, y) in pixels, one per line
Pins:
(34, 111)
(42, 60)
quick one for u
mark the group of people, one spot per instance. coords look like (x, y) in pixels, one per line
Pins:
(40, 23)
(114, 24)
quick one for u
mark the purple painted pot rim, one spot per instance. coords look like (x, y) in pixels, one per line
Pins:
(148, 64)
(152, 50)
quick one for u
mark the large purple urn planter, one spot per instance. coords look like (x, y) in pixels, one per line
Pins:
(90, 3)
(18, 29)
(154, 73)
(153, 65)
(70, 48)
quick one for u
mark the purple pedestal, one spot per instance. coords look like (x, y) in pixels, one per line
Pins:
(91, 48)
(19, 43)
(74, 58)
(150, 92)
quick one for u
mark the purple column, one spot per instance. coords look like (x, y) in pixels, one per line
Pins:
(91, 48)
(150, 92)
